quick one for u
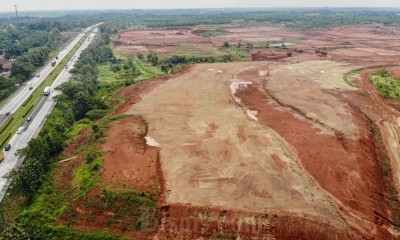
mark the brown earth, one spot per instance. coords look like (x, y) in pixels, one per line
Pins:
(282, 148)
(129, 165)
(361, 45)
(129, 162)
(346, 146)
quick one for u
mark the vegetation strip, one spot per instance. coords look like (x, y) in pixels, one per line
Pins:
(27, 100)
(4, 141)
(6, 124)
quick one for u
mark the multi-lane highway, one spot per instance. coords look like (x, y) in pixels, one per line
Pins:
(39, 114)
(24, 92)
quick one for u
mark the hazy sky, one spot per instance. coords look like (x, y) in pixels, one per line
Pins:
(28, 5)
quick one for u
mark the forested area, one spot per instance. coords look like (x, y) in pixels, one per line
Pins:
(291, 18)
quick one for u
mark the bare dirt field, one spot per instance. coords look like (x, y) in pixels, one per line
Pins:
(257, 145)
(289, 146)
(366, 45)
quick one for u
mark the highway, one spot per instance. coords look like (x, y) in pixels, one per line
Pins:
(23, 93)
(39, 117)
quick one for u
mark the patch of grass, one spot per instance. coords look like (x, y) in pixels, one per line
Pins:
(5, 140)
(147, 71)
(77, 128)
(87, 177)
(118, 117)
(13, 203)
(239, 53)
(27, 111)
(48, 202)
(386, 85)
(5, 125)
(106, 76)
(27, 100)
(122, 56)
(212, 32)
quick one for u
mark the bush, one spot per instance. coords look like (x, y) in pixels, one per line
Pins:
(96, 114)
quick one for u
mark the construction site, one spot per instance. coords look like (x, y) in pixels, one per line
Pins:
(294, 143)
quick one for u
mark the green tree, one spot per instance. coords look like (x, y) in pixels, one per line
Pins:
(152, 58)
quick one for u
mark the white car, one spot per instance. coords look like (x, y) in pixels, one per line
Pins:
(19, 131)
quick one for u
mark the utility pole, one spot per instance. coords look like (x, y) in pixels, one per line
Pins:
(16, 13)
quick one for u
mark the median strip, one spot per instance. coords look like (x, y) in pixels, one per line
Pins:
(4, 141)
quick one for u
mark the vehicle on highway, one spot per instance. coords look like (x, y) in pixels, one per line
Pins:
(38, 75)
(53, 63)
(28, 119)
(8, 113)
(1, 156)
(30, 87)
(8, 147)
(20, 130)
(46, 91)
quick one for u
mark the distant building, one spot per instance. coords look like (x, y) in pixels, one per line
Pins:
(7, 64)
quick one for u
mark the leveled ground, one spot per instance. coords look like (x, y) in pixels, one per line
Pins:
(300, 136)
(360, 45)
(297, 144)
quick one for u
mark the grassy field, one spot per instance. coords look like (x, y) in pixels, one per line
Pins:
(239, 53)
(37, 95)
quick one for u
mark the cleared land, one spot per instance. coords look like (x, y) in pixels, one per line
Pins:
(289, 146)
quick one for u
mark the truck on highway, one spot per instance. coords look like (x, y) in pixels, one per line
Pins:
(53, 63)
(46, 91)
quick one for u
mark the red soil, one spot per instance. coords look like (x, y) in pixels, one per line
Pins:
(367, 199)
(191, 222)
(129, 163)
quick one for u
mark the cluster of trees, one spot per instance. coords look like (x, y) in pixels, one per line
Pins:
(292, 18)
(41, 44)
(78, 101)
(174, 60)
(16, 41)
(81, 93)
(7, 87)
(25, 65)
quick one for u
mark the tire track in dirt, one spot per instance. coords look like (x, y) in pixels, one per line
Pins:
(311, 145)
